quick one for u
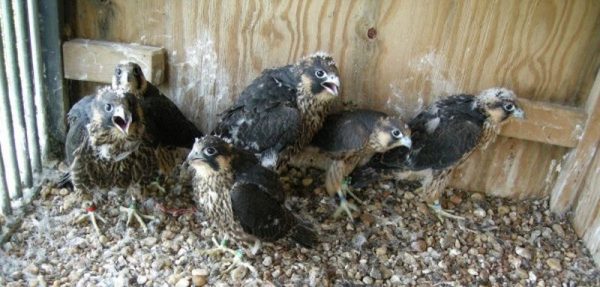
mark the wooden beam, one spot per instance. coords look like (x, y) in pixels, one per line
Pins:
(91, 60)
(578, 160)
(547, 123)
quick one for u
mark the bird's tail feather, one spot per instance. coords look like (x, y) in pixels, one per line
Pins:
(304, 234)
(65, 181)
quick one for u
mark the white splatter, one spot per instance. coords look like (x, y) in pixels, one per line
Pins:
(196, 77)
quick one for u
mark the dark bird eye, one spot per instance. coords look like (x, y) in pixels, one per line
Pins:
(509, 107)
(320, 74)
(118, 71)
(137, 71)
(108, 107)
(397, 134)
(210, 151)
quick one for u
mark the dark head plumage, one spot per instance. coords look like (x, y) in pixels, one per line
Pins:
(211, 154)
(390, 132)
(499, 104)
(129, 77)
(320, 74)
(116, 111)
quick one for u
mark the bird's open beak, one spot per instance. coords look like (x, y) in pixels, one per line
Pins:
(519, 113)
(122, 119)
(332, 85)
(406, 141)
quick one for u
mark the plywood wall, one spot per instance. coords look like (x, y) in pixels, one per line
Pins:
(393, 56)
(586, 215)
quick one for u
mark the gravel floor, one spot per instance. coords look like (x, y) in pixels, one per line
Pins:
(394, 241)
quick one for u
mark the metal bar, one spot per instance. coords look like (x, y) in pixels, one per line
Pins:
(8, 146)
(5, 207)
(57, 102)
(16, 103)
(36, 56)
(23, 56)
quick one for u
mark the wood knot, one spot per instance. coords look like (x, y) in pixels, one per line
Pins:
(372, 33)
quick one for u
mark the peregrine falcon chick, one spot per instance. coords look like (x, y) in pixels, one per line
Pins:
(282, 109)
(444, 135)
(111, 153)
(167, 129)
(349, 139)
(240, 197)
(165, 123)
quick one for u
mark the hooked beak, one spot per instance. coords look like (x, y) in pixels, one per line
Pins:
(406, 141)
(196, 153)
(332, 85)
(519, 113)
(122, 119)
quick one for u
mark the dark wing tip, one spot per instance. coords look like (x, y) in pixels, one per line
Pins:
(304, 235)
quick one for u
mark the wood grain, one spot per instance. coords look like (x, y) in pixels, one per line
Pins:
(546, 51)
(578, 160)
(586, 215)
(95, 61)
(547, 123)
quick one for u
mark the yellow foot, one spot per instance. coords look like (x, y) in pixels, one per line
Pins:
(132, 212)
(221, 248)
(346, 207)
(440, 212)
(237, 261)
(91, 216)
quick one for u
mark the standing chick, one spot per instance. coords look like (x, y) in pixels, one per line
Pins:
(241, 198)
(349, 139)
(282, 109)
(444, 135)
(111, 153)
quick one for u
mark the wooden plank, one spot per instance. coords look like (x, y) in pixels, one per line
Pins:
(547, 123)
(547, 51)
(578, 160)
(91, 60)
(586, 215)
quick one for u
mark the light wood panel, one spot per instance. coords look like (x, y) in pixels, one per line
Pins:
(419, 50)
(578, 160)
(95, 61)
(586, 215)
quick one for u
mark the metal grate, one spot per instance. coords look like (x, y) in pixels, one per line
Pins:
(22, 110)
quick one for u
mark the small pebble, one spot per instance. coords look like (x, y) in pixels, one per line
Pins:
(141, 280)
(554, 264)
(307, 181)
(419, 245)
(183, 282)
(149, 241)
(479, 212)
(367, 280)
(523, 252)
(381, 251)
(558, 229)
(239, 273)
(267, 261)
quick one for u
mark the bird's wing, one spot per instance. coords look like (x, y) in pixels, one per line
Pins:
(346, 132)
(77, 118)
(445, 133)
(247, 169)
(275, 126)
(272, 86)
(259, 213)
(165, 123)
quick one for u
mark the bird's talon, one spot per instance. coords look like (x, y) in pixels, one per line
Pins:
(347, 207)
(440, 212)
